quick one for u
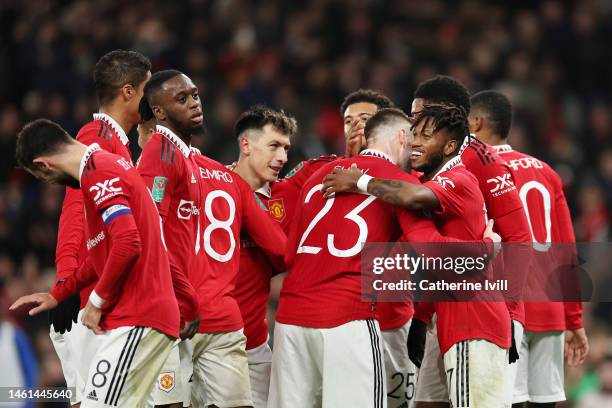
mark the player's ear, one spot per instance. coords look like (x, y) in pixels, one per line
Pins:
(42, 163)
(450, 147)
(127, 91)
(159, 113)
(475, 123)
(243, 145)
(402, 137)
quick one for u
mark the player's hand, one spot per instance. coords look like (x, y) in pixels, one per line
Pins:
(355, 139)
(416, 341)
(44, 301)
(91, 318)
(190, 329)
(576, 347)
(341, 181)
(65, 313)
(488, 233)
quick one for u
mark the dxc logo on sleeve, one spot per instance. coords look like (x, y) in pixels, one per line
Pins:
(105, 190)
(445, 182)
(501, 184)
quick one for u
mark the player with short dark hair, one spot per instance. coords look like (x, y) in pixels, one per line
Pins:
(441, 89)
(264, 137)
(326, 338)
(356, 108)
(126, 261)
(539, 372)
(168, 170)
(119, 78)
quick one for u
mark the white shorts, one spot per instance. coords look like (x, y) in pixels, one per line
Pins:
(513, 368)
(400, 371)
(476, 374)
(540, 375)
(169, 385)
(125, 367)
(220, 370)
(431, 384)
(77, 349)
(186, 356)
(260, 365)
(337, 367)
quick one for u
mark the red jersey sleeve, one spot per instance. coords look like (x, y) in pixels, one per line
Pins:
(159, 175)
(266, 232)
(71, 234)
(109, 194)
(74, 283)
(448, 192)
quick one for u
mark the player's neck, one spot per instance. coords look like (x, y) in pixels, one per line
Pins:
(248, 175)
(430, 175)
(120, 116)
(186, 138)
(69, 160)
(490, 138)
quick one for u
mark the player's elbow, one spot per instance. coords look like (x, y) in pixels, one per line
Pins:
(413, 200)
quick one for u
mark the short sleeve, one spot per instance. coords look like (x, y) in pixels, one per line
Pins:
(448, 188)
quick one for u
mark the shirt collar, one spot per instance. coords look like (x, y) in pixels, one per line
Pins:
(505, 148)
(376, 153)
(265, 190)
(114, 125)
(466, 142)
(88, 152)
(174, 139)
(452, 163)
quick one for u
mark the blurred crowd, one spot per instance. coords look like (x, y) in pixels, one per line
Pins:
(550, 57)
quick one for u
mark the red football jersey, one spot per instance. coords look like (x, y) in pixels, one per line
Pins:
(143, 294)
(462, 215)
(168, 171)
(71, 250)
(541, 191)
(323, 286)
(228, 206)
(286, 191)
(255, 271)
(503, 206)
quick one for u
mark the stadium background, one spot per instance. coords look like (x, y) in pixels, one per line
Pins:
(551, 58)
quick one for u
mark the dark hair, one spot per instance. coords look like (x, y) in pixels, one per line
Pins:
(368, 96)
(151, 88)
(444, 90)
(451, 118)
(259, 116)
(497, 108)
(40, 137)
(116, 69)
(383, 117)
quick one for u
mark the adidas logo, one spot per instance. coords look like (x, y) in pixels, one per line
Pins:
(92, 395)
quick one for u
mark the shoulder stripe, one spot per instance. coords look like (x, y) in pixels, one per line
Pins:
(163, 148)
(485, 152)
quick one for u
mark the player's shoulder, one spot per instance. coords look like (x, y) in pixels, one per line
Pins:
(103, 165)
(479, 153)
(95, 131)
(309, 166)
